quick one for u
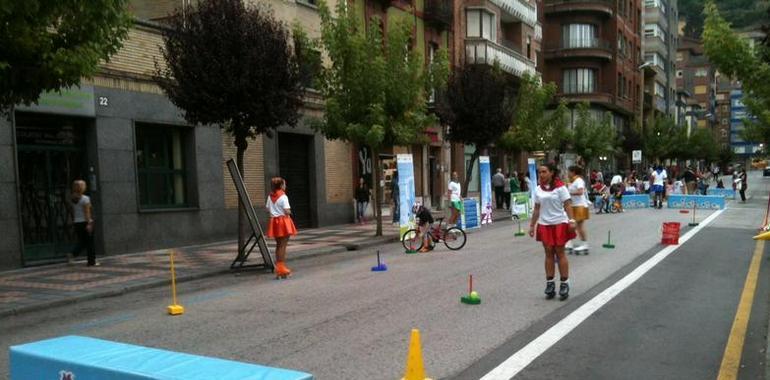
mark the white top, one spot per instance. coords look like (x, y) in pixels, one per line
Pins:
(660, 178)
(79, 210)
(678, 185)
(552, 205)
(574, 187)
(454, 190)
(616, 179)
(279, 207)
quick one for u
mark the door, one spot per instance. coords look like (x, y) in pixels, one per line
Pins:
(49, 158)
(294, 167)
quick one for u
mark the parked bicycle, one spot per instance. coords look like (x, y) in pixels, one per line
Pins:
(453, 237)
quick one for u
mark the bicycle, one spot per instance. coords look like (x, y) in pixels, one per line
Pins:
(453, 237)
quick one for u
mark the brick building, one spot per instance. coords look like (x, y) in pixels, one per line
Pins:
(697, 76)
(593, 52)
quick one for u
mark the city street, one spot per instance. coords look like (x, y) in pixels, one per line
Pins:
(338, 320)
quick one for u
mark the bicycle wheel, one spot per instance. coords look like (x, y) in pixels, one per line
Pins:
(454, 238)
(411, 240)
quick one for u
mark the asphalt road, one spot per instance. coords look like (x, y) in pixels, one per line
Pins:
(338, 320)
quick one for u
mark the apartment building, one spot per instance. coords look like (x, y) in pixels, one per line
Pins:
(593, 53)
(659, 49)
(697, 76)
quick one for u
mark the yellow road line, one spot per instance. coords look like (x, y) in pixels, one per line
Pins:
(731, 361)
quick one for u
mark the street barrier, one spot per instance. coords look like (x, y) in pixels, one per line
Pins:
(636, 201)
(726, 193)
(83, 358)
(704, 202)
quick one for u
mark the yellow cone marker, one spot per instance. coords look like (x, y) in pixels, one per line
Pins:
(174, 309)
(763, 236)
(414, 366)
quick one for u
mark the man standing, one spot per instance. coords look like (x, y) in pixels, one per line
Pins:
(455, 199)
(743, 183)
(690, 180)
(498, 181)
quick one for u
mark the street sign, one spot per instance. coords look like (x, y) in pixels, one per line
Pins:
(636, 156)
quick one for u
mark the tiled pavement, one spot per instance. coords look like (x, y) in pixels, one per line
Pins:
(40, 287)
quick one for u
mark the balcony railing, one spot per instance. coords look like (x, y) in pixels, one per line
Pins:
(439, 13)
(519, 9)
(481, 51)
(580, 43)
(606, 6)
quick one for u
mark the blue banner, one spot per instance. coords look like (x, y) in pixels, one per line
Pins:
(486, 189)
(405, 168)
(532, 168)
(635, 201)
(706, 202)
(727, 193)
(471, 215)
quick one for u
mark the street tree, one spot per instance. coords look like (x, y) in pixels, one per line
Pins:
(376, 92)
(734, 57)
(593, 135)
(46, 45)
(659, 138)
(535, 127)
(231, 65)
(478, 106)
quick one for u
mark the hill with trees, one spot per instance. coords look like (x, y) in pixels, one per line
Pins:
(740, 13)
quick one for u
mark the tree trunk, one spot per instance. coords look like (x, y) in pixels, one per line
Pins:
(469, 171)
(241, 144)
(376, 204)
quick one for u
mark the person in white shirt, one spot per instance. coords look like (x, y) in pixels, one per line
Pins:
(82, 219)
(577, 190)
(617, 178)
(280, 227)
(455, 199)
(555, 226)
(659, 177)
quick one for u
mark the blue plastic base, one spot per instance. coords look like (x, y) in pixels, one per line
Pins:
(380, 268)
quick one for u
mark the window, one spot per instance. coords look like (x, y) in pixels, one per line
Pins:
(700, 90)
(660, 90)
(620, 85)
(529, 47)
(578, 81)
(679, 57)
(656, 59)
(724, 121)
(656, 4)
(432, 47)
(679, 73)
(701, 72)
(160, 162)
(654, 30)
(578, 36)
(481, 24)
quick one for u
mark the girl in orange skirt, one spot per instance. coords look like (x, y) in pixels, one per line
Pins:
(555, 226)
(281, 227)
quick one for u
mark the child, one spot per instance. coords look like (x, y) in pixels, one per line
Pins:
(678, 186)
(281, 227)
(617, 197)
(601, 189)
(424, 221)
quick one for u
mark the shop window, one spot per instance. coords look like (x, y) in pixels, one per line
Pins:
(160, 162)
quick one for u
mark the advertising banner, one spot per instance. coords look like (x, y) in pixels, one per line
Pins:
(520, 205)
(532, 168)
(486, 189)
(405, 167)
(471, 215)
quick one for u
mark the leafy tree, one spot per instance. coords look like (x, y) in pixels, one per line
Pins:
(478, 106)
(725, 157)
(231, 65)
(741, 13)
(376, 94)
(659, 138)
(593, 137)
(535, 127)
(49, 44)
(735, 58)
(703, 145)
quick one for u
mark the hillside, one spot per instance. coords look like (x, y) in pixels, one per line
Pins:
(741, 13)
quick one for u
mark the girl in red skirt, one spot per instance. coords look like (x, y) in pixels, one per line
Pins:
(281, 227)
(555, 226)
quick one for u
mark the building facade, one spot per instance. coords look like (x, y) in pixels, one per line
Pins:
(659, 49)
(593, 54)
(697, 76)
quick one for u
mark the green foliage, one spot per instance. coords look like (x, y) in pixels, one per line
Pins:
(534, 127)
(376, 93)
(46, 45)
(659, 138)
(740, 13)
(308, 54)
(593, 137)
(735, 58)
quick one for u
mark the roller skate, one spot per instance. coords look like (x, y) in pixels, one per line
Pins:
(582, 249)
(563, 291)
(569, 247)
(281, 271)
(550, 289)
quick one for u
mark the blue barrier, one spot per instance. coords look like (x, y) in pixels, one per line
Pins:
(82, 358)
(636, 201)
(706, 202)
(726, 193)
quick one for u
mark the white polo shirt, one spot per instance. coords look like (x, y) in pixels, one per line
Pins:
(552, 205)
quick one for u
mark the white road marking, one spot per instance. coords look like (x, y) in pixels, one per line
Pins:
(521, 359)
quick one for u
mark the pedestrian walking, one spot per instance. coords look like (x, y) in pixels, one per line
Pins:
(514, 183)
(523, 182)
(658, 189)
(743, 183)
(498, 182)
(83, 222)
(555, 226)
(363, 194)
(507, 191)
(577, 190)
(455, 199)
(281, 226)
(690, 180)
(395, 193)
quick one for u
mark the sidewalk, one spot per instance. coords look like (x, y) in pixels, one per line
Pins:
(37, 288)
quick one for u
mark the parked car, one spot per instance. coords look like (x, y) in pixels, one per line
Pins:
(766, 172)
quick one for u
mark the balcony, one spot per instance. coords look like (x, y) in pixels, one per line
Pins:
(654, 15)
(579, 48)
(618, 104)
(655, 44)
(519, 9)
(481, 51)
(438, 13)
(606, 7)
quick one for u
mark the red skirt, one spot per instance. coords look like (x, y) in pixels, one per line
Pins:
(281, 226)
(555, 235)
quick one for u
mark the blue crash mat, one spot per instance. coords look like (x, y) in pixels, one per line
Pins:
(83, 358)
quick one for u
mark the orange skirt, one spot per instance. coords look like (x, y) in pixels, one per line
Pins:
(281, 226)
